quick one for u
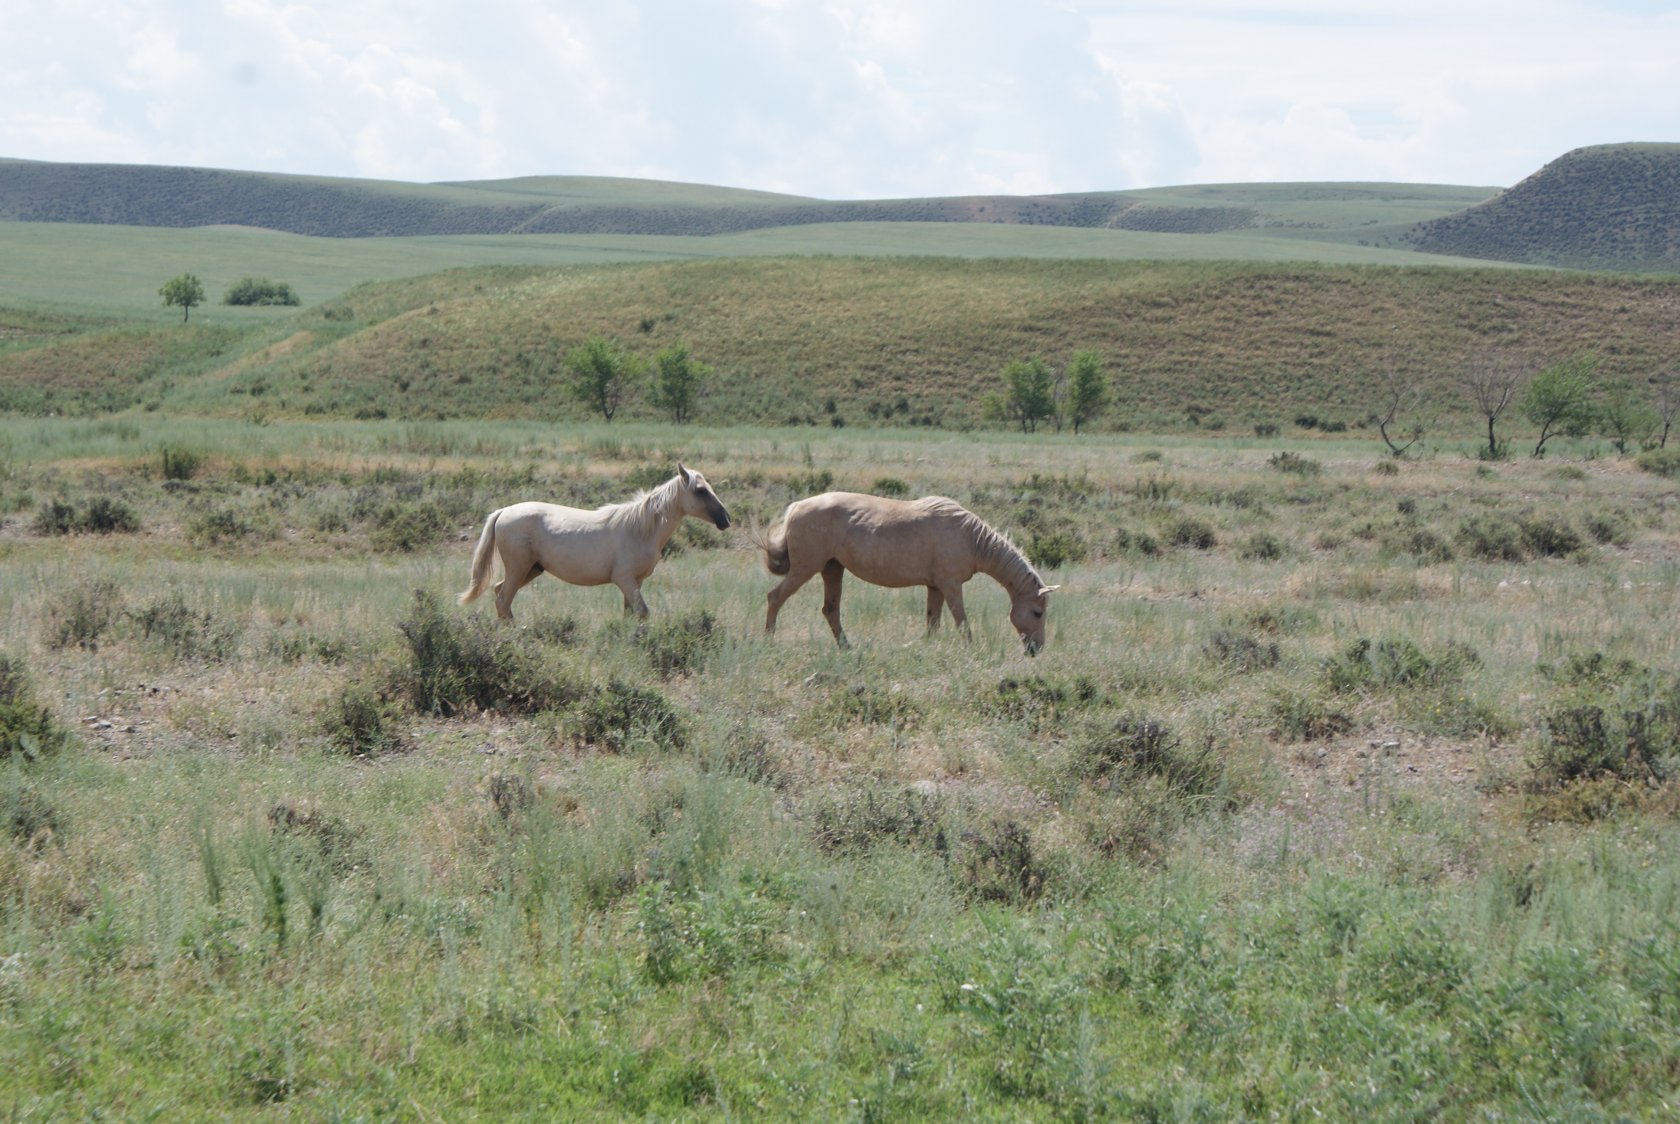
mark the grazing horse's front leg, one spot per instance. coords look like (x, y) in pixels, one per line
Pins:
(935, 607)
(954, 598)
(833, 574)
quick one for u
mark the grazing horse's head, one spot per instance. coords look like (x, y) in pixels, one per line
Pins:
(700, 501)
(1027, 615)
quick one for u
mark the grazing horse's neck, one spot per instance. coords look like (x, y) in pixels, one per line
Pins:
(999, 560)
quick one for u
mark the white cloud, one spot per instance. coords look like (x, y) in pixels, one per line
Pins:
(844, 98)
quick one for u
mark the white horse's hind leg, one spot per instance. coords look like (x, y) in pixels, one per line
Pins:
(510, 585)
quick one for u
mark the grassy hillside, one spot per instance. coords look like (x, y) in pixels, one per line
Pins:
(1605, 207)
(865, 341)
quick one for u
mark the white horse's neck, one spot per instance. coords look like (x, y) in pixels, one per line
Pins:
(654, 514)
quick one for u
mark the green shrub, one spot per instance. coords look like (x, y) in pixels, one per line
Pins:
(186, 632)
(1395, 662)
(1493, 538)
(1241, 651)
(1042, 701)
(1117, 752)
(891, 487)
(1262, 546)
(1662, 462)
(1055, 549)
(82, 614)
(54, 518)
(179, 463)
(614, 715)
(1293, 463)
(1549, 536)
(28, 731)
(1299, 717)
(101, 516)
(870, 705)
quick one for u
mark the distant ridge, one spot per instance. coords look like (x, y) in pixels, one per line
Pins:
(1613, 206)
(149, 196)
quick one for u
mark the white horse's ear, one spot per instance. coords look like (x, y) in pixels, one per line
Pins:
(1048, 590)
(682, 470)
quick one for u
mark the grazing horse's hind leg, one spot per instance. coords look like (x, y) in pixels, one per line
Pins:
(935, 607)
(777, 596)
(833, 574)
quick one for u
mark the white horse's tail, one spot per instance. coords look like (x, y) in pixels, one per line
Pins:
(481, 560)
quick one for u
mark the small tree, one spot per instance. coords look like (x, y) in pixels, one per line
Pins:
(1028, 394)
(1492, 383)
(1666, 386)
(601, 373)
(185, 290)
(1625, 418)
(1403, 400)
(1560, 400)
(1087, 389)
(678, 382)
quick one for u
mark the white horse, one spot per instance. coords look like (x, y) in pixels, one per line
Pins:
(617, 543)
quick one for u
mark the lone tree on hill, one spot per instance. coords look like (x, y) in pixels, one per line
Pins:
(1560, 400)
(601, 373)
(185, 290)
(1403, 399)
(678, 382)
(1087, 389)
(1029, 394)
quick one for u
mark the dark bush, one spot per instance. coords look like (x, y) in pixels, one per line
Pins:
(1135, 745)
(1548, 536)
(998, 864)
(1663, 462)
(1191, 532)
(459, 664)
(891, 487)
(1492, 538)
(853, 821)
(871, 705)
(679, 645)
(1040, 700)
(105, 516)
(249, 291)
(361, 721)
(1262, 546)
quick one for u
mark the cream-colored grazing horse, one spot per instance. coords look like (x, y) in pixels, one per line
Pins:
(933, 541)
(618, 543)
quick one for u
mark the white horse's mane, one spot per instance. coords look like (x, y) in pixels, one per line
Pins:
(644, 511)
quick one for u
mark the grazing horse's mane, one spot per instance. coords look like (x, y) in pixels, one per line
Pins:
(643, 511)
(999, 557)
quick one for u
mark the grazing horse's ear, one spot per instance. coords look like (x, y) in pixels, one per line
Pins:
(1049, 589)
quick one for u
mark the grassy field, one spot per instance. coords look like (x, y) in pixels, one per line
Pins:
(1345, 786)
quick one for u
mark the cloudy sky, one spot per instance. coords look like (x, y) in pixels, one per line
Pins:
(842, 99)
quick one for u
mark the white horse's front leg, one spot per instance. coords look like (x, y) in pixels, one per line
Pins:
(633, 601)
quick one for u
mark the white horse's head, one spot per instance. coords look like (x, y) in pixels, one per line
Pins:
(1026, 613)
(700, 501)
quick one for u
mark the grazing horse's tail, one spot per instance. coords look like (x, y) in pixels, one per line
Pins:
(774, 545)
(481, 560)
